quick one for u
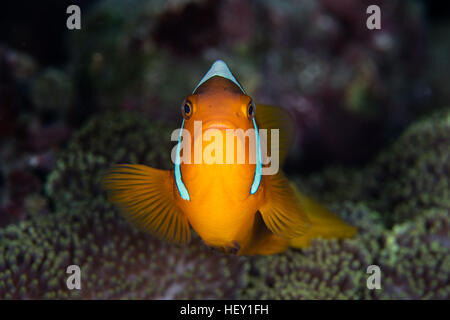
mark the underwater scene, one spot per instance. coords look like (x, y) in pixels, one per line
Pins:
(117, 179)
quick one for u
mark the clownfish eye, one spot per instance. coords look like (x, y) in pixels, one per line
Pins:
(251, 108)
(186, 109)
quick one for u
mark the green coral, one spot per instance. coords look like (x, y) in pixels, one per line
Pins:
(416, 259)
(328, 269)
(110, 139)
(116, 260)
(413, 259)
(412, 175)
(407, 188)
(53, 92)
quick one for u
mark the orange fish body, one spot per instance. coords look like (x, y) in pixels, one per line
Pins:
(230, 204)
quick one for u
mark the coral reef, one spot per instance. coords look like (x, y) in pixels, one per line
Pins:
(103, 141)
(116, 260)
(351, 90)
(52, 92)
(413, 259)
(407, 178)
(406, 187)
(32, 126)
(329, 269)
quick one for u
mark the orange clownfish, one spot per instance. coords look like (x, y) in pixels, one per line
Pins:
(232, 206)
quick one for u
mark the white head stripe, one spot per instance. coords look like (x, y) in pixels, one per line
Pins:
(219, 68)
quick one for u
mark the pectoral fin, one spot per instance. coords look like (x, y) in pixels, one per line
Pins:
(282, 212)
(263, 241)
(145, 196)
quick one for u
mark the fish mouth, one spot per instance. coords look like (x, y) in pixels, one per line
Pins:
(219, 124)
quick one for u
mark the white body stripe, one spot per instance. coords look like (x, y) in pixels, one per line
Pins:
(219, 68)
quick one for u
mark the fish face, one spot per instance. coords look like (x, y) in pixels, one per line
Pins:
(219, 117)
(219, 102)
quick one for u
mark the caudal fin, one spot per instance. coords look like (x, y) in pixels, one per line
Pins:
(324, 224)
